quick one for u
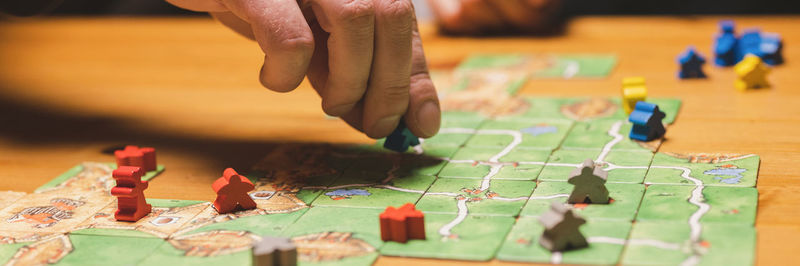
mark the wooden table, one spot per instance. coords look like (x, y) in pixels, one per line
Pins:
(72, 88)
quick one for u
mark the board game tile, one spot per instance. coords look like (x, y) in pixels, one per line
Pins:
(9, 197)
(727, 204)
(483, 61)
(454, 195)
(206, 248)
(102, 250)
(394, 192)
(532, 133)
(52, 212)
(599, 133)
(85, 170)
(453, 132)
(519, 164)
(337, 235)
(606, 242)
(668, 243)
(377, 168)
(625, 199)
(476, 237)
(166, 217)
(12, 241)
(587, 109)
(570, 66)
(634, 164)
(269, 224)
(730, 170)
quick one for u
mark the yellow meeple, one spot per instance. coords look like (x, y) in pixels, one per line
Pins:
(633, 90)
(751, 73)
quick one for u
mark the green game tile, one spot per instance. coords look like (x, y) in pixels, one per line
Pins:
(268, 224)
(640, 160)
(366, 259)
(626, 199)
(167, 254)
(481, 61)
(362, 223)
(671, 203)
(375, 169)
(589, 66)
(504, 197)
(451, 134)
(668, 243)
(667, 169)
(7, 251)
(396, 192)
(534, 133)
(532, 161)
(594, 134)
(542, 107)
(100, 250)
(475, 238)
(72, 172)
(606, 239)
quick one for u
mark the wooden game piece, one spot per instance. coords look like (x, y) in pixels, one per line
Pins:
(131, 203)
(647, 125)
(726, 45)
(590, 184)
(231, 191)
(402, 224)
(751, 73)
(691, 64)
(561, 229)
(633, 90)
(274, 251)
(400, 139)
(134, 156)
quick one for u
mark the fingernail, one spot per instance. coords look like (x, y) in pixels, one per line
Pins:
(384, 126)
(429, 118)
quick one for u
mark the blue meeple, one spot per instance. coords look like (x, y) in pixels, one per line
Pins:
(646, 119)
(400, 139)
(730, 49)
(691, 64)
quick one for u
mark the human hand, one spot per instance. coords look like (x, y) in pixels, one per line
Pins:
(486, 17)
(363, 57)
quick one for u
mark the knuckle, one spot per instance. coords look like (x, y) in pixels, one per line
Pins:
(357, 12)
(295, 43)
(396, 93)
(396, 10)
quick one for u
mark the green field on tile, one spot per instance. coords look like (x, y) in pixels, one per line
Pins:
(665, 243)
(454, 137)
(587, 109)
(398, 191)
(522, 243)
(563, 162)
(533, 133)
(738, 171)
(727, 204)
(361, 222)
(101, 250)
(596, 134)
(530, 162)
(475, 238)
(503, 197)
(269, 224)
(167, 254)
(625, 199)
(578, 66)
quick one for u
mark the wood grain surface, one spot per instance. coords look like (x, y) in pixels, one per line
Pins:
(73, 88)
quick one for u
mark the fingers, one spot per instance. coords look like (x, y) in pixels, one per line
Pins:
(350, 47)
(386, 98)
(200, 5)
(281, 30)
(424, 114)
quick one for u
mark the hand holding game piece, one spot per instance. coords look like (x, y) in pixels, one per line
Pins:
(363, 57)
(561, 229)
(129, 190)
(400, 139)
(590, 184)
(231, 191)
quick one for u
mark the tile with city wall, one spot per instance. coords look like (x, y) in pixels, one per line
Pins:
(670, 243)
(586, 109)
(606, 242)
(623, 204)
(712, 169)
(622, 166)
(393, 192)
(605, 134)
(337, 236)
(726, 204)
(455, 195)
(165, 218)
(517, 164)
(474, 237)
(532, 133)
(205, 248)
